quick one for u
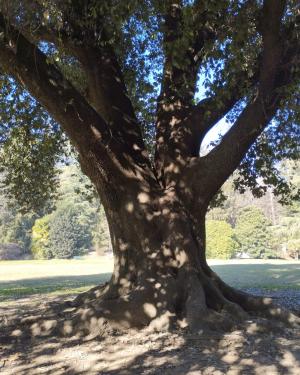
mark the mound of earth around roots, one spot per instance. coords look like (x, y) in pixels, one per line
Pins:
(256, 347)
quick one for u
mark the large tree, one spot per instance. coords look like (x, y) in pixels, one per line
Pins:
(97, 67)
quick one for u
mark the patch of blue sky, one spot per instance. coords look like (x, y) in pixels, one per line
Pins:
(221, 127)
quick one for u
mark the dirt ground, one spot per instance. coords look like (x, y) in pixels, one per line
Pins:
(255, 348)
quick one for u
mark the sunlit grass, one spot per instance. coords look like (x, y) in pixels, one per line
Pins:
(270, 275)
(19, 291)
(65, 277)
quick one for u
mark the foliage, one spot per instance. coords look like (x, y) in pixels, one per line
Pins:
(220, 243)
(261, 170)
(20, 231)
(15, 228)
(101, 236)
(76, 190)
(81, 212)
(40, 247)
(252, 233)
(67, 237)
(30, 146)
(78, 218)
(232, 47)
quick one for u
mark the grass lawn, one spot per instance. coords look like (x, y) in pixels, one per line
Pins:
(27, 277)
(23, 278)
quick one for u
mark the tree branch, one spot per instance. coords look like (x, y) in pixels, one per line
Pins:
(88, 42)
(209, 111)
(175, 139)
(88, 131)
(120, 140)
(29, 65)
(220, 163)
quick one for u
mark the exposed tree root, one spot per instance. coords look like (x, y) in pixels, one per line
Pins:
(192, 299)
(255, 304)
(91, 295)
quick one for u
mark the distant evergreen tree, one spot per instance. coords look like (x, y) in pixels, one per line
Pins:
(219, 240)
(252, 233)
(40, 246)
(67, 236)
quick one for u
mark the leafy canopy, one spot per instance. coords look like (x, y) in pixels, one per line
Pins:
(31, 142)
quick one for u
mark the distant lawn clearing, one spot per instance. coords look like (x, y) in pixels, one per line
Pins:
(64, 277)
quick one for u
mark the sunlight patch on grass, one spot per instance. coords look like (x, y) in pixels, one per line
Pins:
(64, 277)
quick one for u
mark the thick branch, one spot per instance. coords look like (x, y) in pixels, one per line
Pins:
(176, 140)
(85, 127)
(30, 67)
(106, 87)
(86, 40)
(205, 115)
(220, 163)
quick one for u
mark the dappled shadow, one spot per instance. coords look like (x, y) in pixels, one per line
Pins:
(253, 349)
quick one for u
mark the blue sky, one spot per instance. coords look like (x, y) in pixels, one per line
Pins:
(221, 127)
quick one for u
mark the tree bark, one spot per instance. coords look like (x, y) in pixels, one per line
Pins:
(160, 276)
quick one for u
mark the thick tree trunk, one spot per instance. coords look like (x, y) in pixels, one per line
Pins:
(160, 274)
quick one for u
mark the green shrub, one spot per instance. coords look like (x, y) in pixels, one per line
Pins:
(252, 233)
(40, 248)
(67, 236)
(219, 240)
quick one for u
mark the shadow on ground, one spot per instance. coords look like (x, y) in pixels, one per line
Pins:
(254, 349)
(258, 347)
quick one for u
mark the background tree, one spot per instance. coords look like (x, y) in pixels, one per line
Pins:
(67, 237)
(97, 67)
(252, 234)
(40, 246)
(220, 243)
(15, 228)
(83, 223)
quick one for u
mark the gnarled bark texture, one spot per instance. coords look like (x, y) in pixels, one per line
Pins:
(160, 275)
